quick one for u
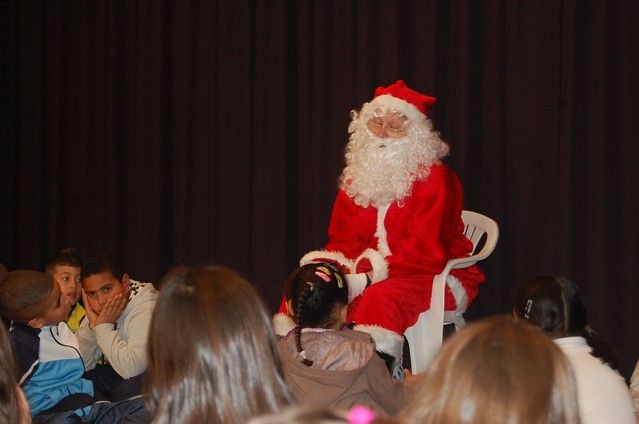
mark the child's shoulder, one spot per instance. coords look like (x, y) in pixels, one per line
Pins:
(334, 350)
(142, 292)
(23, 337)
(26, 346)
(358, 335)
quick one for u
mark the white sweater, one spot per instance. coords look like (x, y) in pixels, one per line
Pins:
(604, 397)
(123, 344)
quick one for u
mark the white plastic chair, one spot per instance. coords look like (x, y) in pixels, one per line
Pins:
(426, 335)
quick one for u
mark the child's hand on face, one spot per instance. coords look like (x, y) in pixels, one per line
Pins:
(91, 314)
(109, 313)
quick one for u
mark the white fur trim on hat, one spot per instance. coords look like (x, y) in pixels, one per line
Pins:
(380, 267)
(394, 103)
(459, 293)
(387, 341)
(282, 324)
(319, 255)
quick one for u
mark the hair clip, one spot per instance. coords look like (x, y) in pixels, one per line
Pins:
(325, 272)
(323, 276)
(361, 415)
(529, 304)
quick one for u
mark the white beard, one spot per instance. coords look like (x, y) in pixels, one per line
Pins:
(382, 170)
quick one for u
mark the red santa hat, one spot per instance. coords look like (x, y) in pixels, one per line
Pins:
(401, 98)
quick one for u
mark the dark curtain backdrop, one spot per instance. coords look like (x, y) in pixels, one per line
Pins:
(191, 131)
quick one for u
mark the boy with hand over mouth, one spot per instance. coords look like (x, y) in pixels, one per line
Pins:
(113, 335)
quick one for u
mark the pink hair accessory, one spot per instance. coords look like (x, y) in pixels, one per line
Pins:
(360, 415)
(326, 278)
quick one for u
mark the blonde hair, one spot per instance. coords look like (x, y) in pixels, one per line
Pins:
(497, 370)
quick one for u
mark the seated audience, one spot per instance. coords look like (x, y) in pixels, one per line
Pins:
(65, 266)
(327, 364)
(496, 370)
(113, 335)
(553, 304)
(48, 363)
(14, 407)
(213, 356)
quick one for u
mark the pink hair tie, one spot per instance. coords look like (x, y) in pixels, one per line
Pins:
(323, 276)
(360, 415)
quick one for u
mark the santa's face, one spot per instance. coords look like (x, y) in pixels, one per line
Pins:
(390, 125)
(386, 153)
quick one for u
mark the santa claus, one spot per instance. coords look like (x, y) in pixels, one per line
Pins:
(396, 220)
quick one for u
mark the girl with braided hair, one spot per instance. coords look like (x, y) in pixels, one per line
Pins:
(326, 364)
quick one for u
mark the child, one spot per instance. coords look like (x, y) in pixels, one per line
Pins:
(553, 304)
(496, 370)
(64, 266)
(49, 366)
(325, 363)
(118, 314)
(213, 357)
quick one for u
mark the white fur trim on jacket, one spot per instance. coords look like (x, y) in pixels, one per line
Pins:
(282, 324)
(387, 341)
(380, 267)
(380, 231)
(319, 255)
(459, 293)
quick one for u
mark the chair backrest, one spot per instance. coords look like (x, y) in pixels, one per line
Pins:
(475, 226)
(425, 336)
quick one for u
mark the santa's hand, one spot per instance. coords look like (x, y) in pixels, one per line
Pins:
(357, 283)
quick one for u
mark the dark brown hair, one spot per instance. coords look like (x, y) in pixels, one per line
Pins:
(213, 356)
(23, 294)
(497, 370)
(99, 264)
(66, 256)
(554, 305)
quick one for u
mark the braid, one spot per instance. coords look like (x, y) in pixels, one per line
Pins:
(315, 290)
(601, 349)
(299, 309)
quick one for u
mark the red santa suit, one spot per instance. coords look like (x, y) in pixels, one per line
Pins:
(401, 245)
